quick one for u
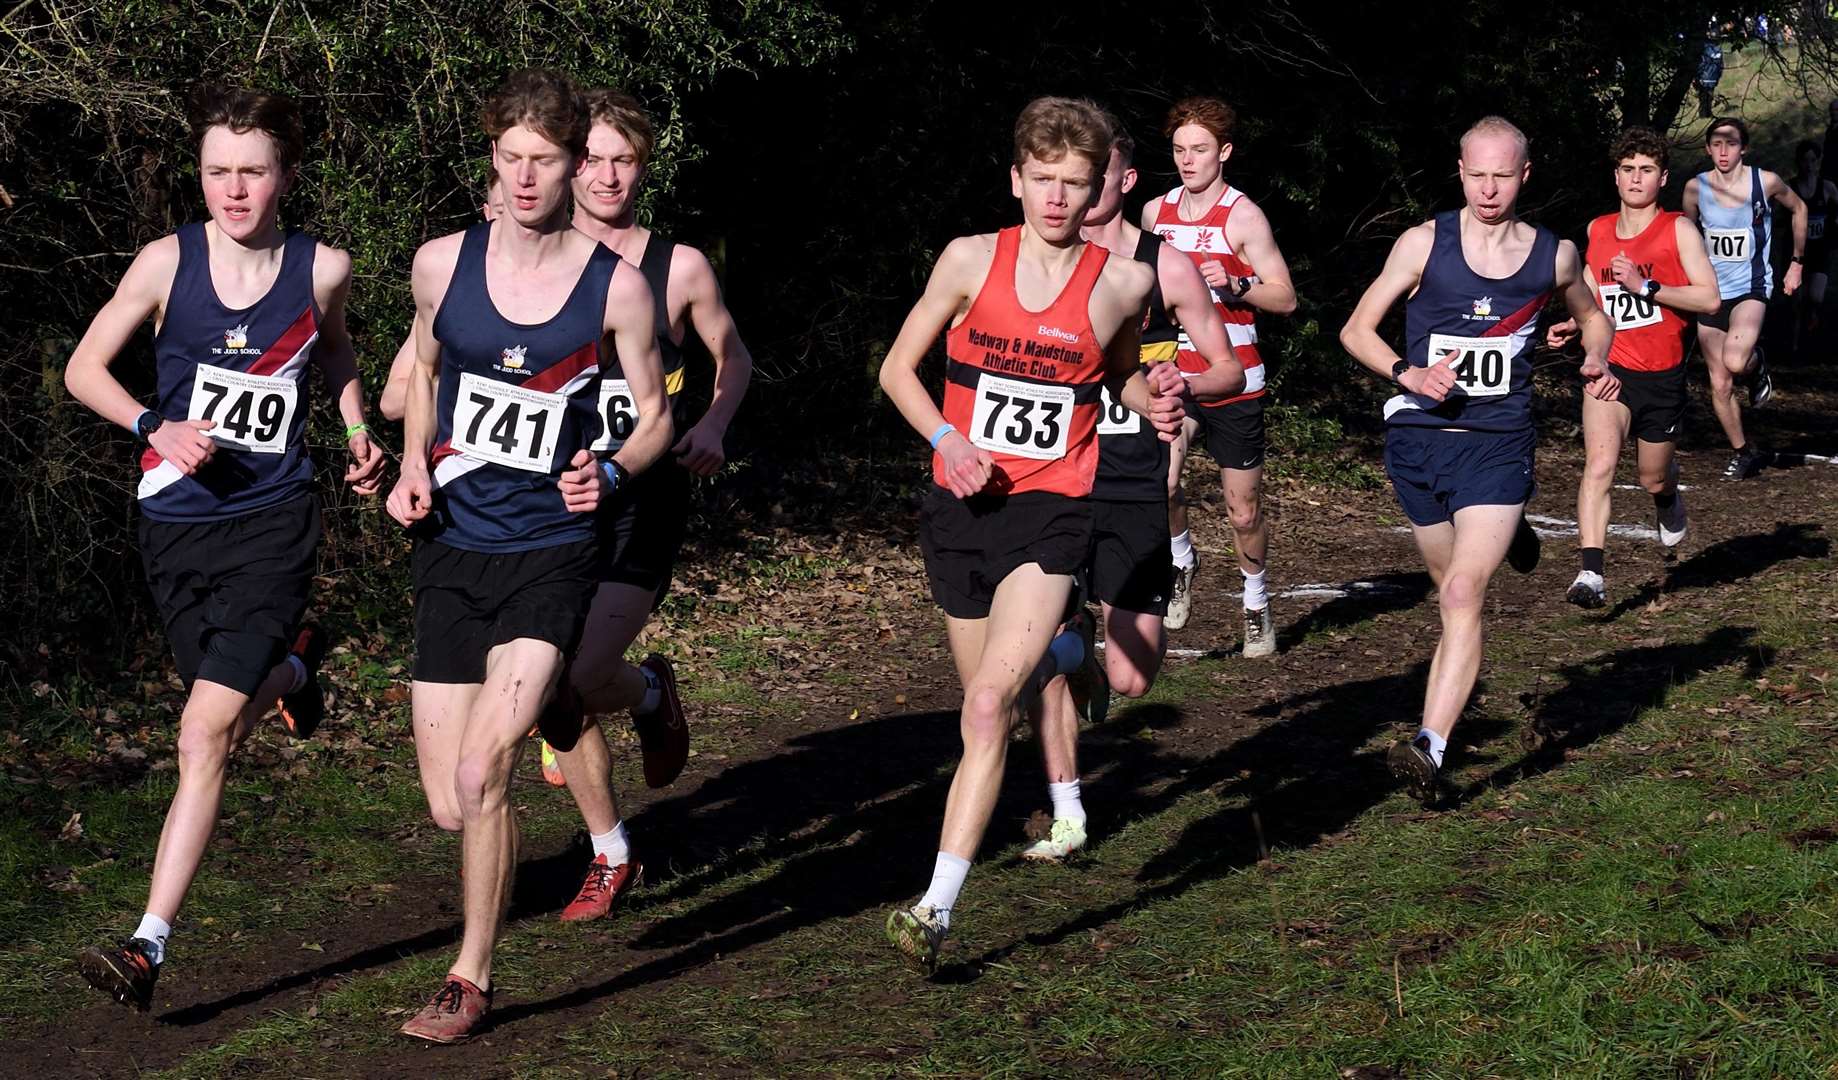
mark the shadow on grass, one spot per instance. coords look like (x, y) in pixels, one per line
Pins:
(1732, 560)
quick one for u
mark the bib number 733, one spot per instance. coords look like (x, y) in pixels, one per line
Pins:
(507, 425)
(1023, 419)
(252, 412)
(1481, 366)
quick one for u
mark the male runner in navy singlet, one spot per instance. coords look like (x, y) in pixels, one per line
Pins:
(500, 487)
(1459, 438)
(229, 524)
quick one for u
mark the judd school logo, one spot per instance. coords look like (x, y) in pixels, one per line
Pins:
(1483, 307)
(513, 357)
(237, 338)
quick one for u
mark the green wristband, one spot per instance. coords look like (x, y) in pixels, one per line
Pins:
(354, 429)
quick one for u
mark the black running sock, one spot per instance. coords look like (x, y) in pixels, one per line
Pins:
(1592, 560)
(1665, 500)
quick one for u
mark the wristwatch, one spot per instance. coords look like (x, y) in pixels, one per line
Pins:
(616, 475)
(146, 424)
(1398, 369)
(1798, 259)
(1244, 286)
(1650, 289)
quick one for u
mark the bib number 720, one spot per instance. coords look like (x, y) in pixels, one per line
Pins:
(1019, 418)
(506, 424)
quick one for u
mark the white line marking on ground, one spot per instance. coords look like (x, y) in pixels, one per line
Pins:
(1189, 654)
(1637, 487)
(1550, 528)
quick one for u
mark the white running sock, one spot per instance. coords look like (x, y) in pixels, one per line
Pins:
(1181, 547)
(654, 694)
(947, 881)
(1437, 744)
(154, 931)
(1066, 802)
(1256, 597)
(300, 673)
(612, 844)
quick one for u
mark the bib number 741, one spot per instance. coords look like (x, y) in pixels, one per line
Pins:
(507, 425)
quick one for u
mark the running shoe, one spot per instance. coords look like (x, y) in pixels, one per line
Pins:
(1588, 590)
(1180, 604)
(303, 709)
(1522, 554)
(663, 733)
(1673, 524)
(602, 887)
(1090, 686)
(1259, 633)
(919, 933)
(453, 1015)
(1746, 463)
(1761, 384)
(1067, 837)
(1410, 761)
(126, 972)
(552, 769)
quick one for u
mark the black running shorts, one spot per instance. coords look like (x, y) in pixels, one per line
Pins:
(231, 593)
(1131, 567)
(971, 544)
(1655, 402)
(467, 602)
(642, 530)
(1234, 433)
(1720, 319)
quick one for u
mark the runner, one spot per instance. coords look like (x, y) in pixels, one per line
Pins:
(229, 524)
(1460, 438)
(642, 533)
(1229, 239)
(1646, 265)
(1821, 198)
(1730, 203)
(1035, 322)
(395, 389)
(1129, 568)
(500, 489)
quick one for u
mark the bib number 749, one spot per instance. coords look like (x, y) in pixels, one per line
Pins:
(507, 425)
(1022, 419)
(252, 412)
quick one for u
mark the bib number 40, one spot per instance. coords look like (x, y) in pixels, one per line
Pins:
(1480, 365)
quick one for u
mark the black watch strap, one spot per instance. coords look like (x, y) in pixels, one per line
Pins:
(1398, 369)
(146, 424)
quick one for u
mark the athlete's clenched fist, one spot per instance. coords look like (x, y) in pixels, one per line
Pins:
(966, 468)
(582, 483)
(1435, 381)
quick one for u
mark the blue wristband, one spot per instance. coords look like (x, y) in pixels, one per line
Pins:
(612, 471)
(943, 430)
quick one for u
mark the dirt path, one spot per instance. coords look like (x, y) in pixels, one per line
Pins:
(846, 789)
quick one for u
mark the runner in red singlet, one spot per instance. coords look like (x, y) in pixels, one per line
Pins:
(1645, 266)
(1229, 239)
(1039, 323)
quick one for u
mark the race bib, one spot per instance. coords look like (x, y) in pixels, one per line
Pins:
(507, 425)
(1728, 245)
(1628, 311)
(618, 414)
(1481, 368)
(1023, 419)
(252, 412)
(1114, 418)
(1815, 227)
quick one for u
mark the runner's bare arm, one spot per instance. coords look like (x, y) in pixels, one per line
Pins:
(702, 446)
(1690, 206)
(1701, 296)
(960, 270)
(393, 400)
(633, 328)
(1117, 305)
(337, 361)
(141, 295)
(1593, 325)
(1149, 210)
(1248, 231)
(1360, 336)
(413, 495)
(1780, 191)
(1190, 305)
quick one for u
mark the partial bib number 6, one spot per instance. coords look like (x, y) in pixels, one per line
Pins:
(1022, 419)
(618, 415)
(252, 412)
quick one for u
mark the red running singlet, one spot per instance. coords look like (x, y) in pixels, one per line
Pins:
(1648, 335)
(1024, 385)
(1202, 240)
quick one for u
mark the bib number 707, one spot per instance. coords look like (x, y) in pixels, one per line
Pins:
(1480, 365)
(1020, 418)
(507, 425)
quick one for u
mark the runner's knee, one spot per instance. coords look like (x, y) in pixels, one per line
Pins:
(479, 782)
(1599, 472)
(1463, 591)
(985, 717)
(1126, 680)
(1246, 514)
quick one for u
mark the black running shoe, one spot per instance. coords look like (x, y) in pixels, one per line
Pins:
(1746, 463)
(1523, 554)
(303, 709)
(125, 972)
(1761, 385)
(1410, 761)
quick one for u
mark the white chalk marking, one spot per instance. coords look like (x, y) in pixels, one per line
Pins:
(1637, 487)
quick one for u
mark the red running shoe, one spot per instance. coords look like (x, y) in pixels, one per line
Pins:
(604, 884)
(663, 733)
(454, 1015)
(303, 709)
